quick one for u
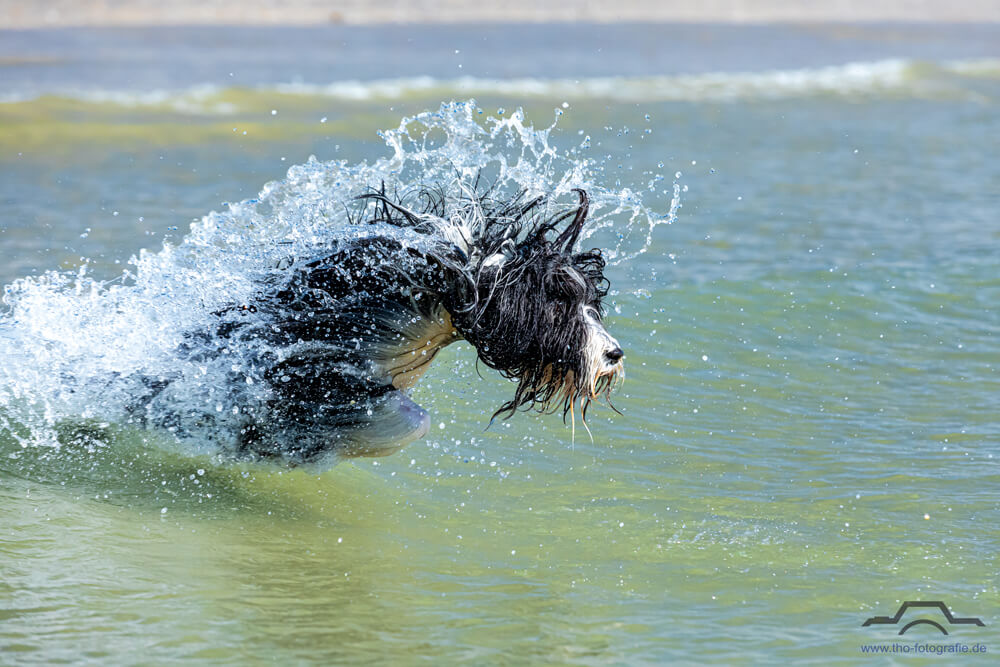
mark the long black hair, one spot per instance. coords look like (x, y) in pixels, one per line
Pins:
(524, 292)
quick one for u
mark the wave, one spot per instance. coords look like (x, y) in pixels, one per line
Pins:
(900, 77)
(853, 78)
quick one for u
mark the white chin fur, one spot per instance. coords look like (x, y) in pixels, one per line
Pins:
(599, 341)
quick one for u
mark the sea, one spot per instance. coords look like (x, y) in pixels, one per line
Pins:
(802, 226)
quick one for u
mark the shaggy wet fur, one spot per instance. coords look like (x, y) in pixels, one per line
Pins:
(349, 330)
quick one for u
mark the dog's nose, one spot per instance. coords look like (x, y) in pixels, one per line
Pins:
(614, 355)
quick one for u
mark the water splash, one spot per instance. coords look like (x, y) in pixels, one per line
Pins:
(81, 349)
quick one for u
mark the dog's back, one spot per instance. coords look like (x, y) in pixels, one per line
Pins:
(346, 336)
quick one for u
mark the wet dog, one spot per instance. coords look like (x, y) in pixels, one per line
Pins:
(352, 327)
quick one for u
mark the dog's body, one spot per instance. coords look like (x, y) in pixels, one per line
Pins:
(348, 331)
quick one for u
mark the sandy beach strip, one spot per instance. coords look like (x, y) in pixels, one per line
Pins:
(63, 13)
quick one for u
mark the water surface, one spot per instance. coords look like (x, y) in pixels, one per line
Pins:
(810, 431)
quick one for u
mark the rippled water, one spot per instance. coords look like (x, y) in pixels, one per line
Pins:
(810, 432)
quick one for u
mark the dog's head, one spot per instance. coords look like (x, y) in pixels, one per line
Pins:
(538, 316)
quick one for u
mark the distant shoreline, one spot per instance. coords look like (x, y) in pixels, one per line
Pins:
(17, 14)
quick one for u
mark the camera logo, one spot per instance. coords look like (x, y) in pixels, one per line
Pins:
(910, 604)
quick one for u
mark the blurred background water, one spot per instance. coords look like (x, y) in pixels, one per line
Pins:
(810, 431)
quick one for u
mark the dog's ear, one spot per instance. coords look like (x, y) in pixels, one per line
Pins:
(568, 237)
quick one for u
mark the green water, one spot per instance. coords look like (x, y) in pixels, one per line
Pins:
(810, 429)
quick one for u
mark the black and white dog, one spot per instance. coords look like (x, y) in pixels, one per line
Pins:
(351, 328)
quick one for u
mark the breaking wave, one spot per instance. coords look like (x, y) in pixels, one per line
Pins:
(898, 77)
